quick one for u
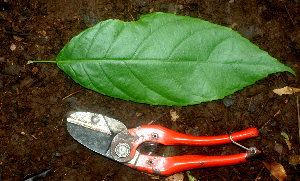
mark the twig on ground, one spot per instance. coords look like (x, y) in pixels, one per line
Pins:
(71, 94)
(250, 103)
(289, 14)
(258, 176)
(263, 108)
(109, 171)
(278, 112)
(152, 121)
(132, 17)
(86, 160)
(298, 116)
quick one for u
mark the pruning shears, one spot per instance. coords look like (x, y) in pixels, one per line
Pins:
(110, 138)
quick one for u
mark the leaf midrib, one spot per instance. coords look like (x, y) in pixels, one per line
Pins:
(164, 61)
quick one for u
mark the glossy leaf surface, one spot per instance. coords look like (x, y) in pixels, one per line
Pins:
(165, 59)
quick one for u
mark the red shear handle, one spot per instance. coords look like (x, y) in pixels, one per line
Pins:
(169, 165)
(166, 136)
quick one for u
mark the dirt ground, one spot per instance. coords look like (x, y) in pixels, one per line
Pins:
(36, 98)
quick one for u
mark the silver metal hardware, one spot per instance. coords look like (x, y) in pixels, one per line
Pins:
(251, 149)
(122, 150)
(150, 162)
(155, 136)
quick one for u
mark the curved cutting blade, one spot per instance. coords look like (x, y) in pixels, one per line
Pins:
(94, 131)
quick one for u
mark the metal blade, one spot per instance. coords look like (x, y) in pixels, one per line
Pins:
(94, 131)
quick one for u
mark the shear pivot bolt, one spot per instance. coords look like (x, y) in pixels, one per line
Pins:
(95, 119)
(122, 150)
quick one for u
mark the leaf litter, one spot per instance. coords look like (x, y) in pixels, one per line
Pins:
(276, 169)
(286, 90)
(287, 140)
(175, 177)
(294, 159)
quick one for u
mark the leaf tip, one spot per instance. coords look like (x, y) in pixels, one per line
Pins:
(289, 69)
(293, 72)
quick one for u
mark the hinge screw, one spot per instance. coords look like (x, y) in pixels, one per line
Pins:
(150, 162)
(155, 136)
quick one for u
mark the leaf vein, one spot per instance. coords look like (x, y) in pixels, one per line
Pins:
(74, 72)
(94, 39)
(114, 41)
(140, 46)
(100, 66)
(77, 37)
(183, 40)
(71, 68)
(175, 80)
(90, 80)
(214, 47)
(145, 84)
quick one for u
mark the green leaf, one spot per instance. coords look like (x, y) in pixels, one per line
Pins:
(285, 135)
(165, 59)
(191, 178)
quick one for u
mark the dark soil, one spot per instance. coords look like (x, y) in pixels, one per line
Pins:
(33, 108)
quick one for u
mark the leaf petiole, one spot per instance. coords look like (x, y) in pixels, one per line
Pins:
(40, 61)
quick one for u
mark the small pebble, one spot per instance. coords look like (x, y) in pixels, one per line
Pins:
(228, 101)
(13, 47)
(264, 131)
(15, 115)
(252, 107)
(57, 154)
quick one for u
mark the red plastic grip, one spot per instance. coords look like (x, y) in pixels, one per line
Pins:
(169, 165)
(159, 134)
